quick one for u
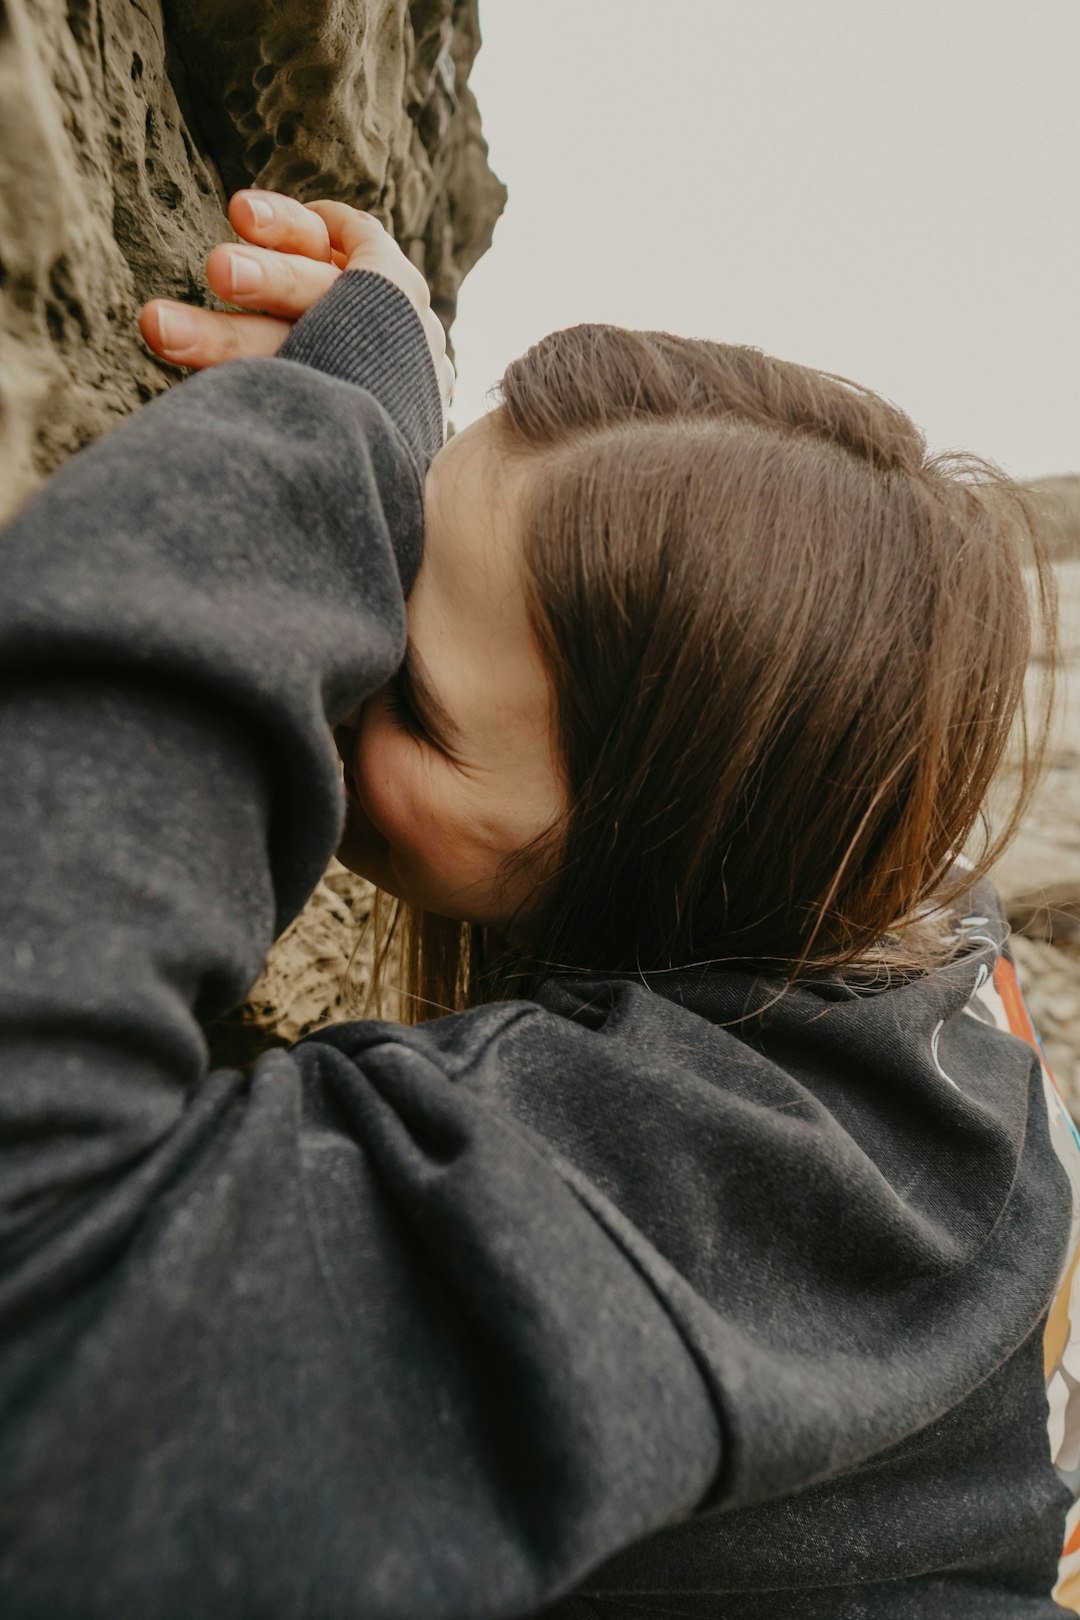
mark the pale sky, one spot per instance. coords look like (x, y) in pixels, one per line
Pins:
(888, 189)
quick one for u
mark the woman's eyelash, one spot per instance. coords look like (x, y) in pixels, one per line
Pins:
(401, 709)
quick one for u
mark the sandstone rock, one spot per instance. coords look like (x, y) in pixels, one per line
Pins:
(318, 972)
(104, 200)
(123, 128)
(366, 101)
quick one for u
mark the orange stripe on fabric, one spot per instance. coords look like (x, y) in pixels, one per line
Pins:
(1007, 986)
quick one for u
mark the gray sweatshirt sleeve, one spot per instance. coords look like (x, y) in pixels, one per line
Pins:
(327, 1338)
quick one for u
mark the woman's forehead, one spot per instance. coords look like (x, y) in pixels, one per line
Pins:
(468, 613)
(472, 545)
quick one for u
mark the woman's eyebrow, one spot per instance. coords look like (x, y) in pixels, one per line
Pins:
(426, 700)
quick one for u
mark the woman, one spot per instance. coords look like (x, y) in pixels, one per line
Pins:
(703, 1260)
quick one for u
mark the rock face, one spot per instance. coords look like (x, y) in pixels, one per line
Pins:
(124, 126)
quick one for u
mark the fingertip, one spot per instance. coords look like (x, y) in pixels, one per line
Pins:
(150, 327)
(219, 270)
(150, 331)
(260, 206)
(175, 332)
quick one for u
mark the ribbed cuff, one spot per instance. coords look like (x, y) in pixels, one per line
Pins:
(366, 331)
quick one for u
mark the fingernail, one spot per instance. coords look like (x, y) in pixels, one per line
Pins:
(245, 275)
(262, 210)
(176, 329)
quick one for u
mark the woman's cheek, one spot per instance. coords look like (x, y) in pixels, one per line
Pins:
(386, 779)
(400, 791)
(416, 801)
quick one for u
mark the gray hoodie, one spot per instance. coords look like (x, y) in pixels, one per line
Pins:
(630, 1300)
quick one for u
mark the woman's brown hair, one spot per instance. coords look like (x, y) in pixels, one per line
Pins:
(787, 649)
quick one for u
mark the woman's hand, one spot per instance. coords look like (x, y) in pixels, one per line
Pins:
(291, 253)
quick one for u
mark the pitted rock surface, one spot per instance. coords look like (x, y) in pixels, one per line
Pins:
(124, 126)
(366, 100)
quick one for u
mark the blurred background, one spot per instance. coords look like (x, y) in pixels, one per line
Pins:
(889, 192)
